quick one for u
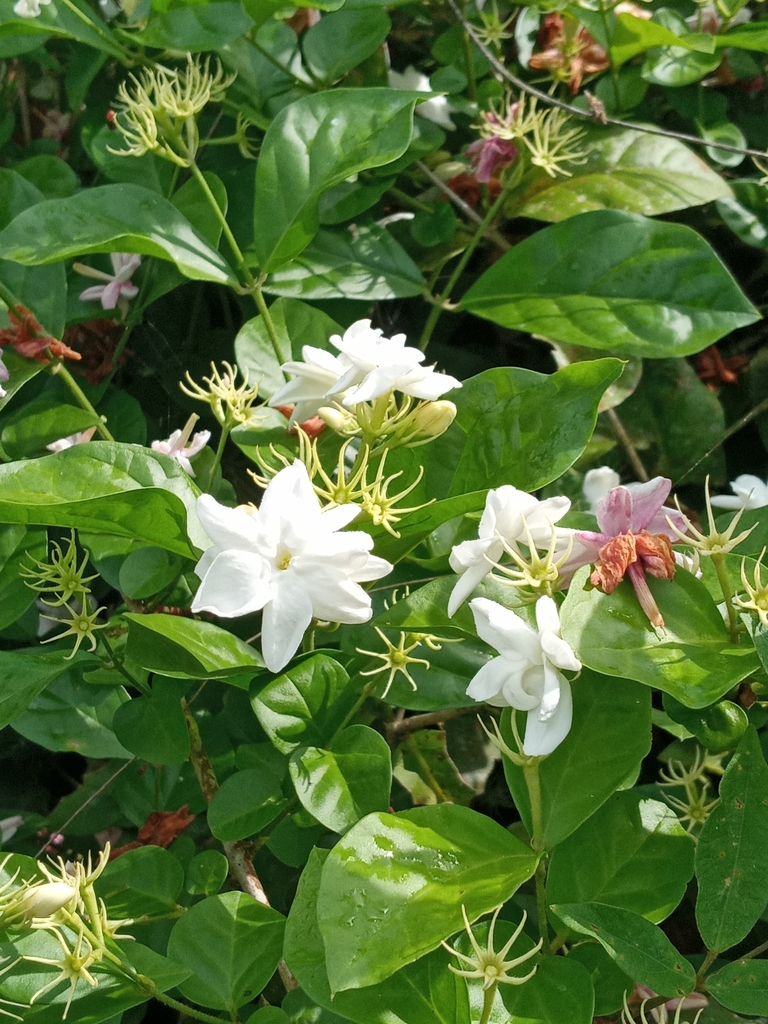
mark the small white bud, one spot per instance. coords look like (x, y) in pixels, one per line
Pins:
(44, 900)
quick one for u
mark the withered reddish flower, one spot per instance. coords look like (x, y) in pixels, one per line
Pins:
(713, 370)
(29, 339)
(490, 156)
(635, 539)
(96, 341)
(568, 55)
(160, 829)
(467, 187)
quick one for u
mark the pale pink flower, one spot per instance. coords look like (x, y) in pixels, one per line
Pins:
(69, 442)
(117, 289)
(177, 446)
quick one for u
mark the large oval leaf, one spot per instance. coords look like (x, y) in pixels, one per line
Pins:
(393, 886)
(112, 218)
(189, 649)
(314, 144)
(645, 288)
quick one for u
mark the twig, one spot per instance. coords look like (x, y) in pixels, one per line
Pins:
(733, 429)
(588, 115)
(465, 208)
(405, 726)
(623, 437)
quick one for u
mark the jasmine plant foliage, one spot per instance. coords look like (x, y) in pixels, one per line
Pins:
(383, 458)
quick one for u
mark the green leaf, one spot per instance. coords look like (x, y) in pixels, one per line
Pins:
(340, 786)
(148, 571)
(718, 727)
(43, 290)
(147, 880)
(112, 218)
(305, 705)
(118, 489)
(312, 145)
(50, 174)
(634, 35)
(192, 202)
(691, 658)
(350, 199)
(746, 213)
(206, 873)
(424, 992)
(245, 803)
(680, 65)
(580, 775)
(153, 728)
(732, 852)
(25, 674)
(393, 886)
(516, 426)
(71, 715)
(638, 947)
(427, 769)
(21, 371)
(626, 170)
(148, 171)
(560, 990)
(17, 546)
(28, 431)
(610, 982)
(189, 648)
(297, 324)
(74, 21)
(232, 944)
(643, 862)
(195, 29)
(342, 40)
(742, 986)
(649, 288)
(365, 265)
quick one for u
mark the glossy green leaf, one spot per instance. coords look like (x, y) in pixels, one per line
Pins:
(729, 134)
(297, 324)
(41, 289)
(245, 803)
(195, 28)
(232, 944)
(718, 727)
(342, 40)
(73, 21)
(580, 775)
(71, 715)
(748, 36)
(312, 145)
(611, 984)
(21, 371)
(643, 861)
(52, 175)
(560, 990)
(147, 880)
(746, 212)
(427, 770)
(393, 886)
(305, 705)
(679, 65)
(18, 545)
(25, 674)
(649, 288)
(341, 785)
(147, 571)
(350, 199)
(742, 986)
(112, 218)
(37, 424)
(638, 947)
(634, 35)
(732, 852)
(626, 170)
(153, 728)
(424, 992)
(516, 426)
(118, 489)
(367, 264)
(206, 873)
(690, 658)
(189, 648)
(148, 171)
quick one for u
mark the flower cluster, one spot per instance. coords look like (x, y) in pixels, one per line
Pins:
(547, 136)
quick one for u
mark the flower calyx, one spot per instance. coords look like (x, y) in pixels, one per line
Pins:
(62, 577)
(396, 658)
(489, 965)
(230, 404)
(757, 591)
(715, 542)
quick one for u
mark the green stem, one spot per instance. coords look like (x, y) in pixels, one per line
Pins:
(721, 569)
(60, 370)
(709, 959)
(225, 432)
(137, 684)
(415, 204)
(755, 952)
(488, 999)
(183, 1009)
(614, 71)
(429, 777)
(266, 316)
(466, 46)
(533, 783)
(279, 65)
(231, 240)
(435, 312)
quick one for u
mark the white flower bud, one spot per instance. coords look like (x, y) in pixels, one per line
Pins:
(338, 420)
(44, 900)
(428, 421)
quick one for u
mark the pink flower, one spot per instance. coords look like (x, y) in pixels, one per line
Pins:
(693, 1001)
(635, 539)
(118, 288)
(69, 442)
(177, 447)
(489, 156)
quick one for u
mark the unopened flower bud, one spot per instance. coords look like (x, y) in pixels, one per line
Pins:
(44, 900)
(339, 420)
(428, 421)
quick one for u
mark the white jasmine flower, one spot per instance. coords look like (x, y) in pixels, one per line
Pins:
(69, 442)
(377, 365)
(10, 826)
(287, 558)
(750, 492)
(437, 109)
(177, 447)
(312, 380)
(117, 289)
(28, 8)
(507, 511)
(527, 675)
(597, 483)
